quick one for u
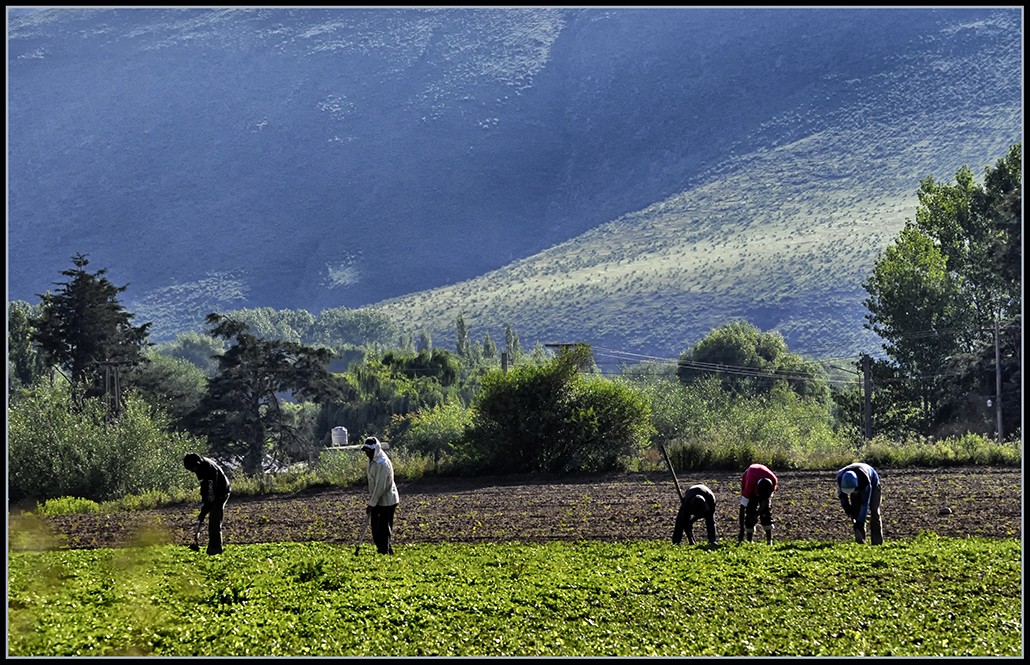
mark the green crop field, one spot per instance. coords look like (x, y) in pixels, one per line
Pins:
(929, 596)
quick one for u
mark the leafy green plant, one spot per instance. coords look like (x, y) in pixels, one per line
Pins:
(436, 431)
(56, 451)
(66, 505)
(549, 417)
(966, 449)
(509, 599)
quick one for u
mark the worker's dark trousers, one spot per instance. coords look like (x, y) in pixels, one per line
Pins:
(875, 523)
(214, 527)
(382, 527)
(757, 510)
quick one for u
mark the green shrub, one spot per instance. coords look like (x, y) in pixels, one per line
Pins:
(549, 417)
(916, 450)
(55, 450)
(152, 499)
(436, 431)
(67, 505)
(707, 427)
(342, 467)
(282, 482)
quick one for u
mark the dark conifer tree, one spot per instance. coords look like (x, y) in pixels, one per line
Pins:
(85, 331)
(242, 410)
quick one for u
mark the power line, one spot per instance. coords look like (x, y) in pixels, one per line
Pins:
(718, 368)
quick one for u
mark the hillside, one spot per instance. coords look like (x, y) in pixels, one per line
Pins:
(627, 177)
(783, 235)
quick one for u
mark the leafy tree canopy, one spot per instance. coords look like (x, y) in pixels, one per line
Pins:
(196, 348)
(342, 326)
(25, 364)
(940, 295)
(749, 361)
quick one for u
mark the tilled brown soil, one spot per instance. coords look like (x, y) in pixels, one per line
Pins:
(983, 501)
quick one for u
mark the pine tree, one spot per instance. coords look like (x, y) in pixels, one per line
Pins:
(489, 347)
(511, 343)
(243, 408)
(83, 328)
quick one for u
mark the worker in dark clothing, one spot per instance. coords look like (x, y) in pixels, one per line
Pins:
(698, 503)
(756, 490)
(858, 488)
(214, 494)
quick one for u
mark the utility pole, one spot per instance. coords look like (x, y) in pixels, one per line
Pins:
(112, 388)
(867, 411)
(997, 382)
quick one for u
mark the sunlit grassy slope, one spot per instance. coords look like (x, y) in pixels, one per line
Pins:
(631, 178)
(783, 237)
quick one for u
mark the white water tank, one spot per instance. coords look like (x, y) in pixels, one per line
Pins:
(339, 436)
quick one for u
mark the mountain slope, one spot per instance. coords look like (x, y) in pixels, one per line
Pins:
(313, 158)
(783, 236)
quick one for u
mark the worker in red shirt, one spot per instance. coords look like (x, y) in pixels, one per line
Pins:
(756, 489)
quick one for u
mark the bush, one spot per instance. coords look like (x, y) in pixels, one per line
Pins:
(55, 450)
(342, 467)
(706, 427)
(437, 431)
(609, 423)
(548, 417)
(916, 450)
(67, 505)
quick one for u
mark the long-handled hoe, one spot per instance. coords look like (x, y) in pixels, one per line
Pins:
(668, 463)
(361, 538)
(195, 545)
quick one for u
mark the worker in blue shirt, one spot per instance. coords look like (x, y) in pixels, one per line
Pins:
(858, 487)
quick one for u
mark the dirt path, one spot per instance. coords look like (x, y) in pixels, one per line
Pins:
(985, 501)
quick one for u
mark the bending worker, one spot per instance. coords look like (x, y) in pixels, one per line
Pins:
(858, 487)
(214, 494)
(698, 503)
(756, 489)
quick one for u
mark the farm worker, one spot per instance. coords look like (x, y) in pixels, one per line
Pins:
(756, 489)
(382, 495)
(858, 487)
(698, 503)
(214, 494)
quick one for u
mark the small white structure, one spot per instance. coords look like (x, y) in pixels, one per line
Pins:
(339, 436)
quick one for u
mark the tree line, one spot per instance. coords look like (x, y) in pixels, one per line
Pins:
(265, 387)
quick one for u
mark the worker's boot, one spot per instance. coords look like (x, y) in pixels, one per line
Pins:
(768, 536)
(859, 534)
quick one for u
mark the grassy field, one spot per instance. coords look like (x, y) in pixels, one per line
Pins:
(929, 596)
